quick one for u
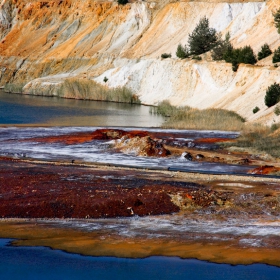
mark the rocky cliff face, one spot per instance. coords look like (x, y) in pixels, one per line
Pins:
(44, 42)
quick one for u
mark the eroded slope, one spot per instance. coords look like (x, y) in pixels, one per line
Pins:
(45, 42)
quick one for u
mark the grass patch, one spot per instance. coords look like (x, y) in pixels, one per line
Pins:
(90, 90)
(167, 110)
(190, 118)
(254, 137)
(14, 87)
(259, 139)
(277, 110)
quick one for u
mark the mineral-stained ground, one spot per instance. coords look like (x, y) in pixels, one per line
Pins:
(32, 190)
(112, 210)
(220, 218)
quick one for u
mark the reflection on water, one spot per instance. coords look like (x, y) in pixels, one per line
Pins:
(43, 263)
(245, 231)
(26, 109)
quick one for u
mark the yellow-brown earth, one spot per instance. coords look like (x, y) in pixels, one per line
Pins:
(32, 233)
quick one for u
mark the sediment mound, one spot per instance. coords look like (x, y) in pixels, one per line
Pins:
(142, 146)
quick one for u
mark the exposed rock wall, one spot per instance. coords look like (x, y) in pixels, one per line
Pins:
(44, 42)
(199, 84)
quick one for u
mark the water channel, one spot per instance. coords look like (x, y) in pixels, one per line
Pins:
(43, 263)
(18, 109)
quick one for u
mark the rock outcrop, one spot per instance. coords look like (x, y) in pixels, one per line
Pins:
(142, 146)
(45, 42)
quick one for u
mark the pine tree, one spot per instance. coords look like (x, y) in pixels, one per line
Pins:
(264, 52)
(247, 55)
(272, 95)
(240, 55)
(222, 48)
(182, 52)
(203, 38)
(277, 20)
(276, 55)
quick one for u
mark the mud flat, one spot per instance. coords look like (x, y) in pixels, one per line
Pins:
(109, 211)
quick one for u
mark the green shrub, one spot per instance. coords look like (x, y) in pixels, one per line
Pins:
(221, 48)
(264, 52)
(256, 109)
(203, 38)
(240, 55)
(246, 55)
(228, 55)
(197, 57)
(165, 55)
(276, 55)
(105, 80)
(182, 52)
(122, 2)
(274, 126)
(277, 111)
(272, 95)
(276, 16)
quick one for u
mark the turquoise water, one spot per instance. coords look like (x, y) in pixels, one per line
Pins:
(44, 263)
(20, 109)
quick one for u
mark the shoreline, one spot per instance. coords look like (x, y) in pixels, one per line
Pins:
(190, 175)
(91, 244)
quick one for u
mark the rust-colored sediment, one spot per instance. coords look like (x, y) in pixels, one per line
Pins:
(82, 137)
(33, 190)
(266, 169)
(90, 243)
(159, 144)
(49, 191)
(30, 190)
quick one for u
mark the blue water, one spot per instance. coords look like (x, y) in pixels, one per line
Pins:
(18, 109)
(44, 263)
